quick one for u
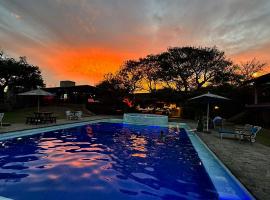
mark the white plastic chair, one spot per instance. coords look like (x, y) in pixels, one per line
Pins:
(68, 115)
(78, 115)
(1, 118)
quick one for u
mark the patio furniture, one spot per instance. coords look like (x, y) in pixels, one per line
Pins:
(41, 118)
(78, 115)
(30, 120)
(208, 98)
(1, 118)
(218, 122)
(248, 132)
(229, 132)
(38, 92)
(69, 115)
(251, 134)
(236, 132)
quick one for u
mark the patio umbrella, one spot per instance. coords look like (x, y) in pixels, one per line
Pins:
(38, 92)
(208, 98)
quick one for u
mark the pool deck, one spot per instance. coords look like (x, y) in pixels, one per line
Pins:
(250, 163)
(23, 126)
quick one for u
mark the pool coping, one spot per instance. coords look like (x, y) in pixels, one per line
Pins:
(208, 166)
(35, 130)
(27, 132)
(4, 198)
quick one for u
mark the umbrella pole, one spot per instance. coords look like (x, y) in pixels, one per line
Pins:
(207, 117)
(38, 104)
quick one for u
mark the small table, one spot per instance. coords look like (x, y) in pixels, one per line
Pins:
(41, 118)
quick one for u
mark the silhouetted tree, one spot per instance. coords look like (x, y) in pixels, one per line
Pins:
(207, 64)
(150, 70)
(175, 68)
(182, 69)
(130, 76)
(18, 74)
(248, 69)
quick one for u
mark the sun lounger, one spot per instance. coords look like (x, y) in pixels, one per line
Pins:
(248, 132)
(236, 132)
(223, 132)
(251, 135)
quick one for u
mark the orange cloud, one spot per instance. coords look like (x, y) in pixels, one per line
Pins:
(84, 65)
(261, 54)
(89, 65)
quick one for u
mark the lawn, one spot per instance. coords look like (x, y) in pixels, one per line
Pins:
(263, 137)
(19, 116)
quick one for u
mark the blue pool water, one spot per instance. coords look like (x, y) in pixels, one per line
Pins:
(104, 161)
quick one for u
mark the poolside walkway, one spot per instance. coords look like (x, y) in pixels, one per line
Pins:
(250, 163)
(23, 126)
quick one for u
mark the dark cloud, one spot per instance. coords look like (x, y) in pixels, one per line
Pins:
(42, 28)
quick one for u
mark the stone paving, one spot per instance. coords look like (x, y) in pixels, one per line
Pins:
(250, 163)
(23, 126)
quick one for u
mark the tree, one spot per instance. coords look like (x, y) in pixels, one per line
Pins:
(175, 67)
(178, 68)
(150, 70)
(18, 74)
(249, 69)
(207, 64)
(130, 76)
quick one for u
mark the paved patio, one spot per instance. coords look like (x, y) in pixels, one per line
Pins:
(250, 163)
(23, 126)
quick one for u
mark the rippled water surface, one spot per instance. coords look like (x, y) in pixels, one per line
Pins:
(103, 161)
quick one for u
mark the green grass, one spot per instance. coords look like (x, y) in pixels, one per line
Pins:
(263, 137)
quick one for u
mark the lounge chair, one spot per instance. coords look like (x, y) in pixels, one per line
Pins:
(236, 132)
(1, 118)
(251, 135)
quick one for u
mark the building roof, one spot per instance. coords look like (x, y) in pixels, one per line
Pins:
(77, 88)
(261, 79)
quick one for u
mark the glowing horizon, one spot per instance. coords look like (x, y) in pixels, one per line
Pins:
(83, 40)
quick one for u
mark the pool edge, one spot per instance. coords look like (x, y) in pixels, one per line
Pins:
(21, 133)
(222, 165)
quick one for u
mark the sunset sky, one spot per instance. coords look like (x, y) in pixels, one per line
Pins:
(81, 40)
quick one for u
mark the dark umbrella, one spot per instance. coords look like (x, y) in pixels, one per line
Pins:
(208, 98)
(37, 92)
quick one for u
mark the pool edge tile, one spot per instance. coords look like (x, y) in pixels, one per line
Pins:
(210, 166)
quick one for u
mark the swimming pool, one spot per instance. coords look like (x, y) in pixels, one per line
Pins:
(105, 160)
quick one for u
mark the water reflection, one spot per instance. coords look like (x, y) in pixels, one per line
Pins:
(102, 160)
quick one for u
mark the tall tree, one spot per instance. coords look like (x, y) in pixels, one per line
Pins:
(150, 70)
(175, 67)
(130, 75)
(207, 64)
(18, 74)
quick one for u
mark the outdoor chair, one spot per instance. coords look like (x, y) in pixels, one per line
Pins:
(251, 134)
(236, 132)
(218, 122)
(69, 115)
(1, 118)
(78, 115)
